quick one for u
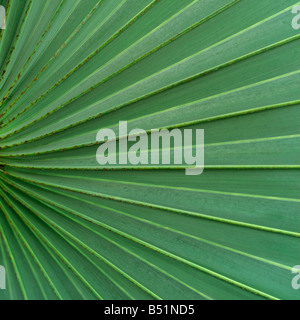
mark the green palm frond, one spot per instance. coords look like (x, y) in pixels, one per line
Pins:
(70, 229)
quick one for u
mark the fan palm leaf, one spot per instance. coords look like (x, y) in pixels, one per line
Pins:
(71, 229)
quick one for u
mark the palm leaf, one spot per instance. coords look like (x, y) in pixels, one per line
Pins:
(71, 229)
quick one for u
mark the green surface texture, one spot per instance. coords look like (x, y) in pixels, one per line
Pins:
(71, 229)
